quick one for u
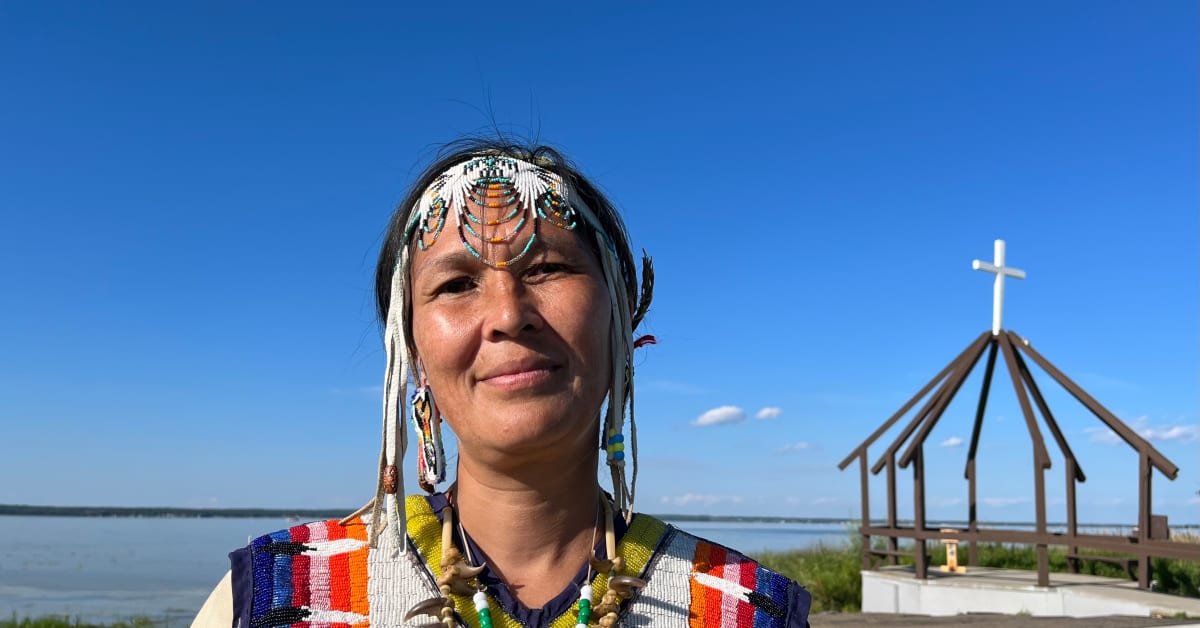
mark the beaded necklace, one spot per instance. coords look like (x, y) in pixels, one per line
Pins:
(458, 572)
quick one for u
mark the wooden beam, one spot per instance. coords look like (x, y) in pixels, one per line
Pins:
(955, 382)
(1048, 416)
(1040, 457)
(866, 510)
(1160, 461)
(905, 408)
(912, 425)
(981, 407)
(920, 558)
(891, 487)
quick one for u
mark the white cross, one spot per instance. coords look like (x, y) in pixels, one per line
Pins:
(1000, 271)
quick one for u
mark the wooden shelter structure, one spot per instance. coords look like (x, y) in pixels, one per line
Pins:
(1150, 539)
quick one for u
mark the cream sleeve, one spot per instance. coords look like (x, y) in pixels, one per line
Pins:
(217, 611)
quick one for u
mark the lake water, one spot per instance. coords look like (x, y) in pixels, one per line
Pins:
(107, 569)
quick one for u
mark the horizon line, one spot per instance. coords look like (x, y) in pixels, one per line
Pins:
(328, 513)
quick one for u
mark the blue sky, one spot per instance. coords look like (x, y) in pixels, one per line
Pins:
(192, 196)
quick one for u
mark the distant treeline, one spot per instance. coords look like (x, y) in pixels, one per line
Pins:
(312, 514)
(932, 523)
(116, 511)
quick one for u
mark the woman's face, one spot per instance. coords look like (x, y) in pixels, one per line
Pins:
(517, 358)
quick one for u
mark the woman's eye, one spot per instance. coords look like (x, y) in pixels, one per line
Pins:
(547, 268)
(456, 285)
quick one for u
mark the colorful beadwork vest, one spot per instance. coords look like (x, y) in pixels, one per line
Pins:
(324, 575)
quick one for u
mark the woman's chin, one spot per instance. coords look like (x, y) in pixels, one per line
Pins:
(533, 431)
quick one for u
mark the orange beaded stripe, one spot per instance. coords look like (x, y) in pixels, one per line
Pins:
(311, 575)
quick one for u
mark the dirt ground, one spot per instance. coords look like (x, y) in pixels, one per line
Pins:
(990, 621)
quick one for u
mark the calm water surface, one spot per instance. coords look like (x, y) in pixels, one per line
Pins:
(107, 569)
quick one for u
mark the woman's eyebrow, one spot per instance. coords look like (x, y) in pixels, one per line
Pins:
(448, 262)
(566, 248)
(463, 259)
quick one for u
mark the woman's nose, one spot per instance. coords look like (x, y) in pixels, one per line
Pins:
(510, 310)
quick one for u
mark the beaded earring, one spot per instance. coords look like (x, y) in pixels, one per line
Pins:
(427, 422)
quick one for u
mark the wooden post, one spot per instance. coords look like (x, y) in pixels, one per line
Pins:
(866, 512)
(980, 408)
(892, 545)
(1145, 473)
(1041, 460)
(973, 518)
(1043, 556)
(1072, 527)
(920, 560)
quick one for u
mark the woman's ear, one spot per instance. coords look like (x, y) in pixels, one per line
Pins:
(418, 370)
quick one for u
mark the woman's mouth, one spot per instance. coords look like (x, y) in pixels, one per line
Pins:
(520, 374)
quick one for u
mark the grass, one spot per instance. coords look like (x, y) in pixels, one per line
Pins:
(832, 574)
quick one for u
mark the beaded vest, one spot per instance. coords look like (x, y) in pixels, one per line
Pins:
(324, 574)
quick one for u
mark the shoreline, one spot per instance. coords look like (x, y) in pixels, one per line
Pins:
(309, 514)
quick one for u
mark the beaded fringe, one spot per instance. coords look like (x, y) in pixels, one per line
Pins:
(388, 508)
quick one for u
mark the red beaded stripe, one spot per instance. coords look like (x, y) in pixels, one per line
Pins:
(301, 593)
(726, 607)
(746, 571)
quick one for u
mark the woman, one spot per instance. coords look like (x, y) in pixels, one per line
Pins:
(509, 297)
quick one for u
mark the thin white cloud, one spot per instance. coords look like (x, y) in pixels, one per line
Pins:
(953, 441)
(825, 501)
(1001, 502)
(1141, 425)
(1181, 433)
(689, 499)
(1101, 435)
(791, 447)
(717, 416)
(769, 412)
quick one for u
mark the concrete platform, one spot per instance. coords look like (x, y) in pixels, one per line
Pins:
(876, 620)
(1012, 592)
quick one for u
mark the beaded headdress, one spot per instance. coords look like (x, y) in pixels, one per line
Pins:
(513, 196)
